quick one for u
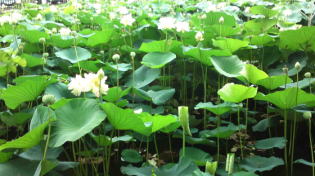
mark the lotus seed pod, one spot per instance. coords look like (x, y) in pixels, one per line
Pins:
(183, 115)
(49, 99)
(307, 75)
(297, 66)
(132, 54)
(45, 55)
(42, 40)
(307, 115)
(116, 57)
(221, 20)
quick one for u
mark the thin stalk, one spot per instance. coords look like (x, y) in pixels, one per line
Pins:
(218, 139)
(156, 146)
(184, 143)
(311, 145)
(170, 146)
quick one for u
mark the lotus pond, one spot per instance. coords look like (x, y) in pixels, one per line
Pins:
(158, 88)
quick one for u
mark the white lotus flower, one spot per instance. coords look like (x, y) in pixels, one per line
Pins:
(182, 26)
(199, 36)
(64, 31)
(112, 15)
(138, 111)
(123, 10)
(39, 17)
(15, 18)
(287, 12)
(97, 82)
(127, 20)
(166, 23)
(4, 19)
(78, 85)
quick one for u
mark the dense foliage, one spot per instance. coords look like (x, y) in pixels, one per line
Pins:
(157, 88)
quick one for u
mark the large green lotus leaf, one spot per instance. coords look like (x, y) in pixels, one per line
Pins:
(74, 55)
(222, 30)
(104, 141)
(143, 123)
(143, 76)
(125, 119)
(264, 124)
(161, 96)
(213, 18)
(131, 156)
(252, 74)
(263, 10)
(203, 55)
(260, 40)
(258, 163)
(27, 90)
(44, 167)
(100, 37)
(301, 39)
(32, 61)
(197, 155)
(221, 132)
(15, 119)
(242, 173)
(33, 36)
(218, 109)
(157, 59)
(161, 46)
(41, 115)
(306, 82)
(286, 99)
(229, 66)
(158, 121)
(115, 93)
(60, 42)
(274, 82)
(275, 142)
(185, 167)
(18, 166)
(259, 26)
(36, 153)
(230, 44)
(75, 119)
(28, 140)
(236, 93)
(59, 90)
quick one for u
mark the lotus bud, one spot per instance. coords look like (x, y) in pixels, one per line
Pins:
(307, 75)
(54, 30)
(45, 55)
(102, 52)
(42, 40)
(211, 167)
(203, 16)
(307, 115)
(49, 99)
(199, 36)
(297, 66)
(132, 54)
(73, 33)
(21, 46)
(221, 20)
(116, 57)
(183, 115)
(285, 69)
(229, 167)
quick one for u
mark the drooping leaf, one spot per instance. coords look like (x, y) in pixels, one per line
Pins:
(143, 76)
(236, 93)
(259, 163)
(24, 91)
(252, 74)
(289, 98)
(196, 155)
(75, 119)
(161, 96)
(157, 59)
(28, 140)
(230, 44)
(229, 66)
(275, 142)
(274, 82)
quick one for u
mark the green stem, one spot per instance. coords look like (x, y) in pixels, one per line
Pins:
(239, 123)
(184, 143)
(311, 145)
